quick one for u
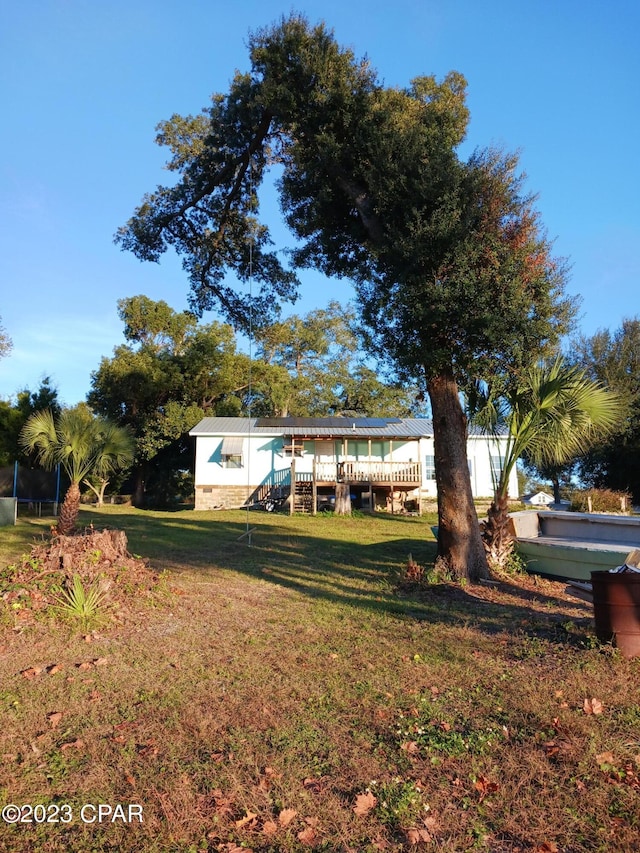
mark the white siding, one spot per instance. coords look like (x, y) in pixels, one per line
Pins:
(263, 456)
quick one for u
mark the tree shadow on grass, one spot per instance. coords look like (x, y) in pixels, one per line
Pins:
(316, 559)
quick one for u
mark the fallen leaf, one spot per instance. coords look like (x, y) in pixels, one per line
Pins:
(224, 805)
(551, 748)
(415, 836)
(592, 706)
(86, 664)
(147, 749)
(485, 787)
(364, 803)
(264, 785)
(271, 773)
(546, 847)
(308, 836)
(54, 718)
(410, 747)
(130, 780)
(101, 661)
(269, 827)
(31, 672)
(313, 785)
(249, 818)
(605, 758)
(75, 744)
(51, 670)
(286, 816)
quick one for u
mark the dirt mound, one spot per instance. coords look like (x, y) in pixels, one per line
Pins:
(97, 557)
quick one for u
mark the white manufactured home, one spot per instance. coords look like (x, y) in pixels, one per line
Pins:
(387, 462)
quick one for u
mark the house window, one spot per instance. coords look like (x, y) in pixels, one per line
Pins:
(429, 467)
(378, 450)
(298, 448)
(496, 467)
(231, 452)
(293, 449)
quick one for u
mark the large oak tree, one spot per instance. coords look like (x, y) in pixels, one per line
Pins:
(454, 276)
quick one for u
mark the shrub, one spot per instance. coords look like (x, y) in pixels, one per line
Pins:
(601, 500)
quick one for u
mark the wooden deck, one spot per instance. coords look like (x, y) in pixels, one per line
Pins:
(402, 474)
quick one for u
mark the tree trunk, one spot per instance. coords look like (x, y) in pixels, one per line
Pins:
(138, 488)
(99, 493)
(460, 546)
(69, 510)
(343, 499)
(496, 534)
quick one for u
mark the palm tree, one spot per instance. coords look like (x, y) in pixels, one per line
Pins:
(553, 414)
(82, 444)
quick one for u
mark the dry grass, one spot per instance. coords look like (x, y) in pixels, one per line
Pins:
(293, 696)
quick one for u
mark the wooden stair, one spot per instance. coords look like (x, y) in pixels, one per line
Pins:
(303, 496)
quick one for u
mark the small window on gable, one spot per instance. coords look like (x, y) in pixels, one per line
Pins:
(231, 451)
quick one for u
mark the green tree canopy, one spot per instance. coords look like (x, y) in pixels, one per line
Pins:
(454, 276)
(14, 414)
(326, 369)
(170, 374)
(613, 359)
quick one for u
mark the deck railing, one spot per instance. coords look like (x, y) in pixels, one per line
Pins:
(368, 472)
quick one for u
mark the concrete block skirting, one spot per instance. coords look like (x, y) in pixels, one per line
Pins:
(223, 497)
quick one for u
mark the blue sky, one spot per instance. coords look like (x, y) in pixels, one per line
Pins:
(84, 83)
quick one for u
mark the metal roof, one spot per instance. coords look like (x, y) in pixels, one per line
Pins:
(324, 427)
(317, 427)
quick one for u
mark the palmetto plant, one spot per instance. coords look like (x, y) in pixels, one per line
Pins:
(554, 413)
(82, 603)
(82, 444)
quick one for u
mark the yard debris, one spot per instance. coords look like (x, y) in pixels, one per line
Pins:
(96, 557)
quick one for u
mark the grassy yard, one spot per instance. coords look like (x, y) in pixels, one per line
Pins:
(293, 694)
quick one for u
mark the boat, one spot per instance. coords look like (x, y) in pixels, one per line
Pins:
(569, 546)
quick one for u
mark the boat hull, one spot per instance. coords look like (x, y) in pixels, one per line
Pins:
(562, 561)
